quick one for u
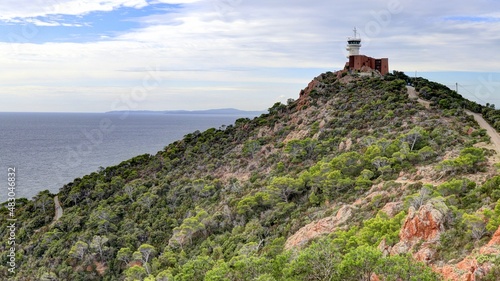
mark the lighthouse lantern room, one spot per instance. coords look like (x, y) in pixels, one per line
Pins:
(353, 44)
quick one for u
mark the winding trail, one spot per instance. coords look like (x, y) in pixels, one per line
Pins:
(412, 94)
(59, 209)
(494, 136)
(492, 133)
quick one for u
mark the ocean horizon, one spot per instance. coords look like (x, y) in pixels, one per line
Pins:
(49, 150)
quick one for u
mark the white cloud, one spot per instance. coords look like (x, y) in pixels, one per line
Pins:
(179, 1)
(242, 52)
(38, 22)
(40, 8)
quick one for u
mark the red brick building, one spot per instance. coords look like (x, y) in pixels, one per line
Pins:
(356, 62)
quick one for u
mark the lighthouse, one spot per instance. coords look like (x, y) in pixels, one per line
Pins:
(353, 44)
(361, 62)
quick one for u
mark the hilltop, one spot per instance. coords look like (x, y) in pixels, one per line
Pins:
(363, 177)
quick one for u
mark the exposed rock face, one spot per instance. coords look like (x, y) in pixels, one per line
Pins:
(384, 248)
(462, 271)
(425, 224)
(302, 101)
(469, 269)
(318, 228)
(392, 208)
(426, 253)
(311, 86)
(494, 242)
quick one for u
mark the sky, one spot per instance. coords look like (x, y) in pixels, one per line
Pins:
(104, 55)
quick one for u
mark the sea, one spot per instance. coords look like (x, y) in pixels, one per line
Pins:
(48, 150)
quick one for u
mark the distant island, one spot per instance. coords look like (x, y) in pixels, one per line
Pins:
(225, 111)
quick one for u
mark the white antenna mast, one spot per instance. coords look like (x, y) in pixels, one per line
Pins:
(353, 44)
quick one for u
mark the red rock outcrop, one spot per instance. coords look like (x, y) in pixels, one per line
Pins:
(495, 240)
(318, 228)
(303, 101)
(469, 269)
(462, 271)
(425, 224)
(425, 253)
(311, 86)
(424, 227)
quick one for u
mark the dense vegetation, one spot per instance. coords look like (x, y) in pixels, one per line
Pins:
(449, 100)
(220, 204)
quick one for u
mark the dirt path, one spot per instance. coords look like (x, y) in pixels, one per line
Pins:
(59, 209)
(494, 136)
(412, 94)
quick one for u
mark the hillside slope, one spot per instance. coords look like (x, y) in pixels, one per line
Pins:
(355, 180)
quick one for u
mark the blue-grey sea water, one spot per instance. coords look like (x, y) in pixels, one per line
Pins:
(49, 150)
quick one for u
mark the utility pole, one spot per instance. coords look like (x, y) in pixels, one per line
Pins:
(456, 87)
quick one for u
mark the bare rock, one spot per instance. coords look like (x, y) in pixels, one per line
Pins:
(427, 223)
(426, 253)
(384, 248)
(401, 247)
(320, 227)
(392, 208)
(348, 144)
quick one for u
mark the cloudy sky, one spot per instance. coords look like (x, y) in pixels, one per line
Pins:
(102, 55)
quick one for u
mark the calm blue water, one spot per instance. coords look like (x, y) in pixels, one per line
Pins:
(49, 150)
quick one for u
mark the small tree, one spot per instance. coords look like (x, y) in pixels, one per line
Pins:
(43, 200)
(147, 251)
(421, 197)
(129, 190)
(79, 250)
(125, 255)
(286, 187)
(414, 136)
(134, 273)
(360, 263)
(320, 261)
(97, 245)
(404, 268)
(477, 226)
(494, 218)
(251, 147)
(165, 275)
(148, 199)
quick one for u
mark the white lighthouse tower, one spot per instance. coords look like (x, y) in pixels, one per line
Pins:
(353, 44)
